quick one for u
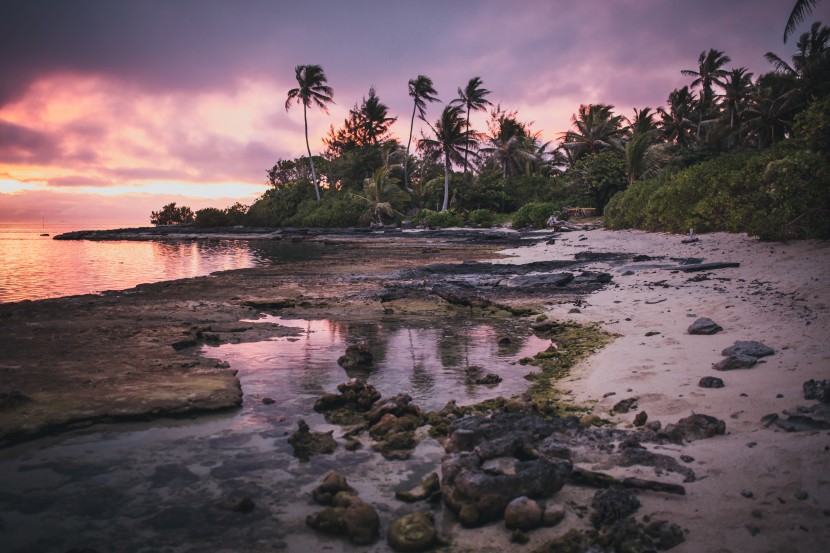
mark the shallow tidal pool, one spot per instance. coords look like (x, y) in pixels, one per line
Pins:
(155, 487)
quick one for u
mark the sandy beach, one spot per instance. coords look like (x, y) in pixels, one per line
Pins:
(759, 488)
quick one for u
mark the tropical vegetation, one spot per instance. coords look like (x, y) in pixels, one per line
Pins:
(730, 150)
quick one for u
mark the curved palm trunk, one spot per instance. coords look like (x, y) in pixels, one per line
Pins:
(310, 159)
(406, 159)
(446, 183)
(464, 179)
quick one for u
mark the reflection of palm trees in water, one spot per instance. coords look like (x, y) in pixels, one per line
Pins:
(422, 381)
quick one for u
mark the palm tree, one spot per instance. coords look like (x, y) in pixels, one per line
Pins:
(373, 121)
(642, 122)
(799, 13)
(644, 155)
(381, 193)
(710, 72)
(595, 125)
(737, 88)
(676, 123)
(771, 110)
(452, 139)
(810, 65)
(510, 145)
(473, 98)
(422, 91)
(312, 89)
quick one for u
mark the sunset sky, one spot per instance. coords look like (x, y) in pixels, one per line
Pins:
(110, 109)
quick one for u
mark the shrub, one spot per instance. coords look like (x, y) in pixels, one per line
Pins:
(211, 217)
(481, 218)
(336, 211)
(437, 219)
(535, 214)
(171, 215)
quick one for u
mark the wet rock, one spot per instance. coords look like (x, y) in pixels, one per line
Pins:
(348, 516)
(412, 532)
(704, 326)
(333, 483)
(613, 504)
(586, 277)
(523, 514)
(429, 488)
(355, 397)
(268, 401)
(184, 344)
(400, 405)
(357, 356)
(710, 382)
(554, 279)
(751, 348)
(489, 379)
(654, 426)
(813, 389)
(307, 444)
(640, 419)
(665, 534)
(553, 514)
(624, 405)
(694, 427)
(238, 504)
(517, 536)
(737, 361)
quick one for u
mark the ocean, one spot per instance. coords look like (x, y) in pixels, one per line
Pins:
(34, 266)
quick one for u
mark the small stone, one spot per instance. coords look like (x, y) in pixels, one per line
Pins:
(687, 458)
(779, 396)
(523, 513)
(575, 310)
(704, 326)
(553, 514)
(654, 426)
(801, 495)
(640, 419)
(517, 536)
(710, 382)
(751, 348)
(239, 504)
(505, 341)
(748, 494)
(268, 401)
(753, 530)
(652, 333)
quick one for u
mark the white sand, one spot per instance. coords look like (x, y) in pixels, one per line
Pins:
(780, 295)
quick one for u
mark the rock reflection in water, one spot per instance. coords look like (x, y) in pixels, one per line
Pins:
(136, 487)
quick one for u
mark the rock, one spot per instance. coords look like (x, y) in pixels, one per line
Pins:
(640, 419)
(624, 405)
(399, 405)
(333, 483)
(704, 326)
(238, 504)
(268, 401)
(665, 534)
(505, 341)
(694, 427)
(523, 514)
(10, 400)
(553, 514)
(751, 348)
(737, 361)
(348, 516)
(517, 536)
(307, 444)
(817, 389)
(549, 279)
(489, 379)
(357, 356)
(184, 344)
(412, 532)
(428, 488)
(710, 382)
(654, 426)
(613, 504)
(355, 397)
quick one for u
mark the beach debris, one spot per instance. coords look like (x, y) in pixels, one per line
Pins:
(704, 326)
(738, 361)
(350, 516)
(751, 348)
(427, 489)
(412, 532)
(306, 444)
(710, 382)
(523, 514)
(357, 356)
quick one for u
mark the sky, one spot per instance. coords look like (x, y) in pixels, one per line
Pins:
(112, 108)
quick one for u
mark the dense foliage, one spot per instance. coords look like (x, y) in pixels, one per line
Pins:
(729, 151)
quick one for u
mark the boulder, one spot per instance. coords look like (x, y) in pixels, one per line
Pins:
(357, 356)
(428, 488)
(704, 326)
(333, 483)
(307, 444)
(349, 515)
(694, 427)
(751, 348)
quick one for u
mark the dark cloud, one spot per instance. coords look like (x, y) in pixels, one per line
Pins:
(19, 144)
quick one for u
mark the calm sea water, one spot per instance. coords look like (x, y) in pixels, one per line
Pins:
(34, 266)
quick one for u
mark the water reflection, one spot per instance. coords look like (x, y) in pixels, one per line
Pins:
(37, 267)
(155, 487)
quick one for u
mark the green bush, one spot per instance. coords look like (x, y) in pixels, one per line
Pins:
(481, 218)
(535, 214)
(776, 194)
(335, 211)
(437, 219)
(211, 217)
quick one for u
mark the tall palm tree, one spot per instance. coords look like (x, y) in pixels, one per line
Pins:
(312, 89)
(737, 88)
(799, 13)
(373, 119)
(422, 91)
(594, 127)
(452, 139)
(709, 72)
(473, 97)
(509, 144)
(642, 122)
